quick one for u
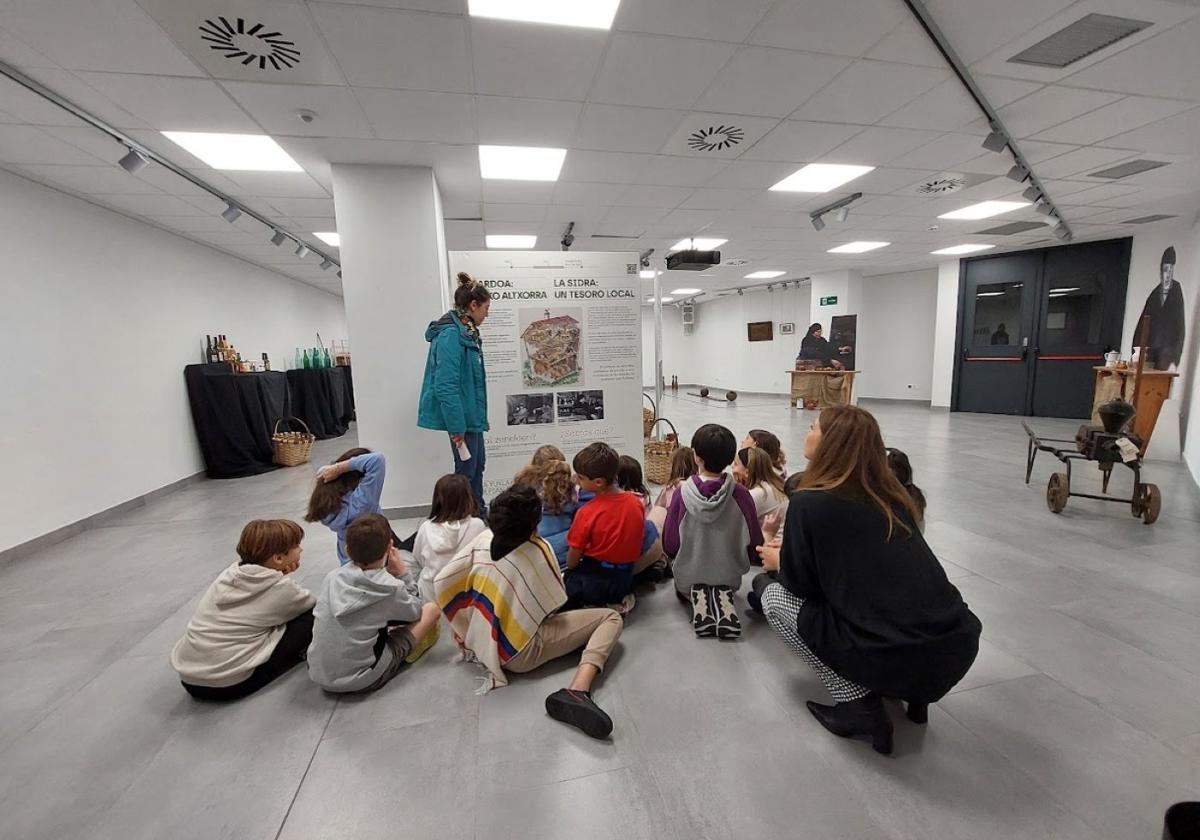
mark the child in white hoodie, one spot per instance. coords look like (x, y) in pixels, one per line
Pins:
(254, 622)
(453, 523)
(368, 623)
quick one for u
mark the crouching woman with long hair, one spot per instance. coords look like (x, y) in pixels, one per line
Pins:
(856, 592)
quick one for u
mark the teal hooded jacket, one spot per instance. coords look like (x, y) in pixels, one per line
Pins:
(454, 390)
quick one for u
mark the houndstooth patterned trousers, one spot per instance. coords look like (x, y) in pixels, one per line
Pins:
(781, 609)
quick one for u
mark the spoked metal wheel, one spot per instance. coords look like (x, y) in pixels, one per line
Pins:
(1057, 492)
(1147, 503)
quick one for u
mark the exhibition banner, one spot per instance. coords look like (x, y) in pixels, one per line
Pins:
(562, 346)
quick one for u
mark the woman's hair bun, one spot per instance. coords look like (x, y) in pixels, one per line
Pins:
(465, 279)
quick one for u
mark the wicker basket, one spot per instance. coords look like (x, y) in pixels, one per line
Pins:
(291, 449)
(657, 466)
(648, 416)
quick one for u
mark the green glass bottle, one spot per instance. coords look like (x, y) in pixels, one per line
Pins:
(307, 361)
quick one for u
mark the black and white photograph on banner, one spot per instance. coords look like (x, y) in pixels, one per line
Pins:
(574, 406)
(529, 409)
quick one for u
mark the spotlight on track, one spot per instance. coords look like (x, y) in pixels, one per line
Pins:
(339, 274)
(740, 293)
(842, 214)
(302, 251)
(1018, 173)
(326, 264)
(1061, 231)
(279, 238)
(134, 162)
(1031, 194)
(995, 142)
(231, 214)
(1044, 208)
(818, 224)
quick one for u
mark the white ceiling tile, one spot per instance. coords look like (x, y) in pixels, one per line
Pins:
(194, 224)
(618, 220)
(516, 59)
(1167, 64)
(907, 44)
(281, 184)
(977, 27)
(888, 179)
(357, 150)
(27, 144)
(173, 104)
(517, 192)
(16, 52)
(276, 106)
(93, 179)
(877, 146)
(946, 107)
(1113, 119)
(587, 193)
(397, 49)
(510, 121)
(826, 26)
(1083, 160)
(309, 207)
(514, 212)
(1104, 194)
(646, 195)
(950, 149)
(1036, 151)
(1051, 106)
(751, 174)
(710, 136)
(690, 220)
(458, 209)
(867, 91)
(611, 167)
(107, 35)
(716, 20)
(419, 115)
(657, 71)
(459, 229)
(518, 228)
(800, 142)
(769, 82)
(622, 129)
(1000, 91)
(668, 170)
(714, 199)
(1174, 135)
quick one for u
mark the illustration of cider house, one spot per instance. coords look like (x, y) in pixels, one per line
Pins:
(551, 348)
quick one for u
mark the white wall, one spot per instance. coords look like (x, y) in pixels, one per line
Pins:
(718, 354)
(896, 336)
(99, 314)
(945, 334)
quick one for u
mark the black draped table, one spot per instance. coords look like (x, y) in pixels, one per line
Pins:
(323, 398)
(234, 415)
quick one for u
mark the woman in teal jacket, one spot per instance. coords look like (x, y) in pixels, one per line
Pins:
(454, 391)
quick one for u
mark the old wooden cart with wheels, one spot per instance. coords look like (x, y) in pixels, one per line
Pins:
(1095, 445)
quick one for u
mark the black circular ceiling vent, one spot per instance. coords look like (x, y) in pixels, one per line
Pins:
(250, 44)
(715, 138)
(941, 186)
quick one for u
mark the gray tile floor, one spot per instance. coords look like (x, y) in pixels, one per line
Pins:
(1081, 718)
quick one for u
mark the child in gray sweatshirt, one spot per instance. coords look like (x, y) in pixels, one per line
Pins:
(712, 532)
(367, 622)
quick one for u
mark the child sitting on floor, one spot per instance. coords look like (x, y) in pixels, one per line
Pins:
(346, 489)
(605, 540)
(753, 470)
(901, 468)
(453, 522)
(629, 479)
(367, 622)
(768, 442)
(712, 531)
(254, 622)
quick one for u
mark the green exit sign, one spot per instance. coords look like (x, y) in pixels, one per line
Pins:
(829, 301)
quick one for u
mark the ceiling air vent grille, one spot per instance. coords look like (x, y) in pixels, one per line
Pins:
(1085, 36)
(1145, 220)
(249, 44)
(715, 138)
(1011, 228)
(1132, 167)
(941, 186)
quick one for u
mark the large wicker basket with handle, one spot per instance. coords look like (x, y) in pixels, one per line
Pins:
(658, 453)
(648, 415)
(291, 449)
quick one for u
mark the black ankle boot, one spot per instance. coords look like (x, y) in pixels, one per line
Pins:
(918, 712)
(863, 718)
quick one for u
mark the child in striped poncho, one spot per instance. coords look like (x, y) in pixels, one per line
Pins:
(500, 596)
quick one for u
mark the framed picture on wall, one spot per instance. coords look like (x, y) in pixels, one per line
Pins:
(760, 331)
(787, 329)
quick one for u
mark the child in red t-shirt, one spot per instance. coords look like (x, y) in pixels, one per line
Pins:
(606, 537)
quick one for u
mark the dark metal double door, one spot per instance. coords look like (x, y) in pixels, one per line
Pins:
(1032, 325)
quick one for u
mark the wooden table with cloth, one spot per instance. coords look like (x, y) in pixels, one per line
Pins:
(817, 388)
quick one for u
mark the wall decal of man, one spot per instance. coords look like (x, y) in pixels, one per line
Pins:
(1164, 305)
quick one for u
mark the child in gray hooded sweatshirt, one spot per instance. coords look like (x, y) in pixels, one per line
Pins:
(712, 532)
(368, 622)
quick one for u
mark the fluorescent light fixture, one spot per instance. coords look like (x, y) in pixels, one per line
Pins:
(302, 250)
(648, 273)
(510, 240)
(962, 249)
(592, 14)
(231, 214)
(698, 243)
(1064, 290)
(764, 275)
(820, 177)
(520, 163)
(818, 224)
(667, 299)
(985, 210)
(134, 162)
(236, 152)
(990, 294)
(330, 238)
(995, 142)
(685, 291)
(857, 247)
(279, 238)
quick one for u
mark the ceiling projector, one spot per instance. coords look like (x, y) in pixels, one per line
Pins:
(693, 260)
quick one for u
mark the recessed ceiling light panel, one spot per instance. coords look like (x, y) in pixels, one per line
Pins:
(764, 275)
(508, 241)
(820, 177)
(857, 247)
(330, 238)
(985, 210)
(236, 152)
(520, 163)
(962, 249)
(591, 14)
(684, 292)
(698, 243)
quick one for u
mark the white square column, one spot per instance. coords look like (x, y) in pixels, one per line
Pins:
(395, 281)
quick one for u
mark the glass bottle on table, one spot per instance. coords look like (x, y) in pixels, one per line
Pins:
(328, 361)
(307, 363)
(299, 360)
